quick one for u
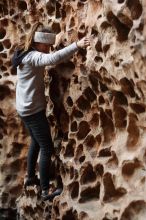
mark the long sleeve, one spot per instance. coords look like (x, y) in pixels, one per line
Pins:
(36, 58)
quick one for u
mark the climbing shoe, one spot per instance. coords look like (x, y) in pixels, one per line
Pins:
(31, 182)
(45, 196)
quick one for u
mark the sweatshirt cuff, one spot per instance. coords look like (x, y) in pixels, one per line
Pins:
(74, 46)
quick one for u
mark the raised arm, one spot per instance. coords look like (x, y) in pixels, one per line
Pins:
(41, 59)
(36, 58)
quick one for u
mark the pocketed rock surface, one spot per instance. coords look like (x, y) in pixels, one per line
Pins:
(98, 97)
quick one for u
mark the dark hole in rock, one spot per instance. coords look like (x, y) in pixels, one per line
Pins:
(77, 113)
(83, 0)
(79, 154)
(13, 71)
(90, 193)
(121, 1)
(103, 87)
(84, 129)
(6, 74)
(83, 69)
(70, 172)
(4, 55)
(28, 209)
(3, 68)
(2, 33)
(135, 210)
(74, 126)
(70, 215)
(103, 71)
(82, 53)
(107, 125)
(133, 131)
(135, 8)
(120, 115)
(56, 28)
(1, 136)
(99, 169)
(98, 59)
(110, 193)
(90, 142)
(76, 79)
(141, 27)
(122, 29)
(94, 120)
(81, 34)
(129, 167)
(1, 47)
(58, 12)
(119, 98)
(100, 16)
(16, 150)
(15, 165)
(105, 218)
(50, 8)
(90, 95)
(137, 107)
(7, 213)
(125, 20)
(105, 25)
(94, 32)
(69, 151)
(69, 101)
(27, 26)
(105, 48)
(87, 174)
(98, 46)
(81, 159)
(109, 113)
(8, 178)
(101, 100)
(127, 87)
(64, 119)
(82, 27)
(83, 216)
(1, 62)
(106, 152)
(74, 189)
(56, 209)
(22, 5)
(63, 13)
(117, 64)
(15, 190)
(83, 103)
(4, 91)
(113, 161)
(94, 80)
(52, 170)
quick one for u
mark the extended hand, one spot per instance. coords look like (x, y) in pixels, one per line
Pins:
(84, 42)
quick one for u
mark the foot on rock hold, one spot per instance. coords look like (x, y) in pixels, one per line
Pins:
(45, 196)
(31, 182)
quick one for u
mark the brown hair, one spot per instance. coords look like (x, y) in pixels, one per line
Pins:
(27, 43)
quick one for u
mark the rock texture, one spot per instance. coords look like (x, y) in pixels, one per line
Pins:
(98, 100)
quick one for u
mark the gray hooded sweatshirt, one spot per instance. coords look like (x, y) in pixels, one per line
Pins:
(30, 88)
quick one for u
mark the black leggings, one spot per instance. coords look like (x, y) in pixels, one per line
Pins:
(39, 130)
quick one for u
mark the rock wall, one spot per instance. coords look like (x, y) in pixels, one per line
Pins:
(98, 98)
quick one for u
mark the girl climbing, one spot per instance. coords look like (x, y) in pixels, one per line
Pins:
(30, 60)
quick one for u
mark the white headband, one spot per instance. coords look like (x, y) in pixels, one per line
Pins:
(46, 38)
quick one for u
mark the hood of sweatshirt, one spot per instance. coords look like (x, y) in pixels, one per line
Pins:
(18, 56)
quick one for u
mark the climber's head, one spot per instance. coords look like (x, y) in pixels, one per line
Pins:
(40, 38)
